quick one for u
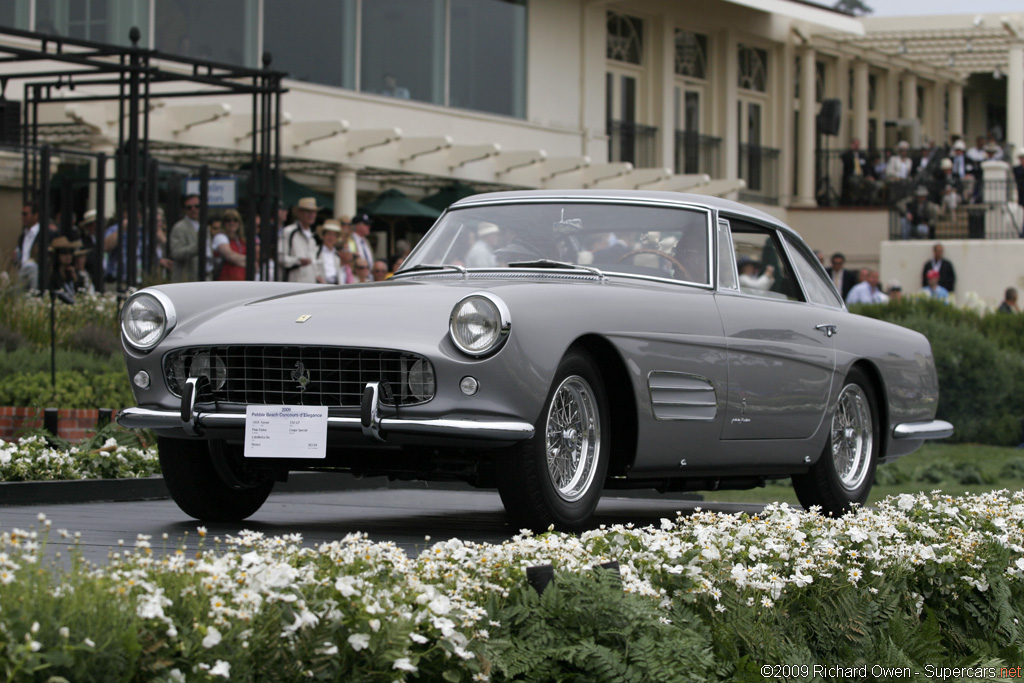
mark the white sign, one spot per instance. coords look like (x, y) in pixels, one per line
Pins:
(221, 192)
(285, 432)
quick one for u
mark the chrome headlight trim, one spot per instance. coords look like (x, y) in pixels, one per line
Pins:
(151, 302)
(491, 313)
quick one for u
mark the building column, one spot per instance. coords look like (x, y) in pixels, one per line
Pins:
(726, 121)
(807, 129)
(345, 192)
(956, 109)
(844, 92)
(1015, 98)
(892, 94)
(860, 102)
(665, 118)
(939, 132)
(910, 100)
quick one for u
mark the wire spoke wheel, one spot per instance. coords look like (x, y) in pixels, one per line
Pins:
(852, 437)
(572, 438)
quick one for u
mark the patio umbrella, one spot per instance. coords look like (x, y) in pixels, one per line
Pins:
(448, 195)
(392, 206)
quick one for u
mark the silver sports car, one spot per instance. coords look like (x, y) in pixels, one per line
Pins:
(550, 344)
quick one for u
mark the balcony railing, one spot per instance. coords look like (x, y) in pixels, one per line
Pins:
(632, 142)
(759, 168)
(997, 216)
(697, 153)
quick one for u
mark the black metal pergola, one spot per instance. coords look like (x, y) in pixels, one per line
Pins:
(66, 70)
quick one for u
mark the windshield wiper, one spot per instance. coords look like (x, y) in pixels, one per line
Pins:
(433, 266)
(551, 263)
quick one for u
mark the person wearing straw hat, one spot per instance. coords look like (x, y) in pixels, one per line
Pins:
(297, 247)
(64, 278)
(481, 254)
(332, 271)
(81, 261)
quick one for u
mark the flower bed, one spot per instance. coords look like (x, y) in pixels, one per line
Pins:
(36, 458)
(922, 584)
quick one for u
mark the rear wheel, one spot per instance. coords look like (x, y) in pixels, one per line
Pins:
(196, 481)
(557, 476)
(844, 473)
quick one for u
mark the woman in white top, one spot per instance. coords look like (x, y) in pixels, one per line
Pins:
(327, 254)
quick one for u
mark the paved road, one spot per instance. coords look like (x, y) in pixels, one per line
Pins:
(404, 516)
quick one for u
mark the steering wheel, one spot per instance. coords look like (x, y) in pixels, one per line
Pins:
(680, 268)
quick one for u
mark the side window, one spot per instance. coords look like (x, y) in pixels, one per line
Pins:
(761, 263)
(726, 267)
(817, 288)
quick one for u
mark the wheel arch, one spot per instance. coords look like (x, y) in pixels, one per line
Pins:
(621, 400)
(874, 376)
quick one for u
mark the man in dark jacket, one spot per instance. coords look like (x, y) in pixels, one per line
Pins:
(947, 276)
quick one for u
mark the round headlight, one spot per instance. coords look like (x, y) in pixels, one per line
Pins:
(479, 324)
(146, 318)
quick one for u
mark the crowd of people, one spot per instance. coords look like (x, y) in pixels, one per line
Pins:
(331, 251)
(926, 187)
(337, 251)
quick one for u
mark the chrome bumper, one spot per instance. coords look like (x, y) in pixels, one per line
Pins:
(936, 429)
(369, 422)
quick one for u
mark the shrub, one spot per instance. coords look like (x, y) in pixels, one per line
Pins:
(980, 364)
(74, 390)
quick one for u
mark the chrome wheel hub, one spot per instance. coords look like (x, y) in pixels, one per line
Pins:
(852, 437)
(572, 438)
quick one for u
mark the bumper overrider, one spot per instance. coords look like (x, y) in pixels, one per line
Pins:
(370, 421)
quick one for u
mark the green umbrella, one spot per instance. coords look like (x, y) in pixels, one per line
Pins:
(392, 206)
(448, 195)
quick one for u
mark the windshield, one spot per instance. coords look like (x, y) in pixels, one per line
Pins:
(651, 241)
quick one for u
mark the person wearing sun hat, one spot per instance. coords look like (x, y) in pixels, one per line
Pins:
(331, 270)
(64, 279)
(297, 247)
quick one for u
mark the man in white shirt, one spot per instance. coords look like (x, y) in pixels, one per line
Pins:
(868, 291)
(297, 247)
(481, 254)
(25, 252)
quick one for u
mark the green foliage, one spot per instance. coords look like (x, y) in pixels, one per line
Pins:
(73, 390)
(30, 316)
(980, 364)
(584, 627)
(25, 360)
(111, 453)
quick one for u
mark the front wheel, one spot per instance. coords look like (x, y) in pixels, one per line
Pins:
(556, 477)
(194, 480)
(843, 474)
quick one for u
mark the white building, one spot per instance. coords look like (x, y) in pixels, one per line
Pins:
(714, 96)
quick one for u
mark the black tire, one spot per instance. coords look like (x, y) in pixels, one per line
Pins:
(540, 481)
(195, 485)
(844, 473)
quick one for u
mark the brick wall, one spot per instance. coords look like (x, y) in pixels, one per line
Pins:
(72, 425)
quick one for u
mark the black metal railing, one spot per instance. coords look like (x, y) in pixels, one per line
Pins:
(632, 142)
(997, 216)
(759, 168)
(698, 153)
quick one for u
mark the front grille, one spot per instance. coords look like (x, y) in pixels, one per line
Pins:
(299, 375)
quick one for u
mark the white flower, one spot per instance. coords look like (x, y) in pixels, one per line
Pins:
(359, 641)
(404, 664)
(346, 585)
(417, 638)
(212, 638)
(88, 642)
(221, 668)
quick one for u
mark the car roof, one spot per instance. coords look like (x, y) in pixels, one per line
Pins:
(717, 203)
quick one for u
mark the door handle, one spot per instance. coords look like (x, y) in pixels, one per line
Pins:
(828, 328)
